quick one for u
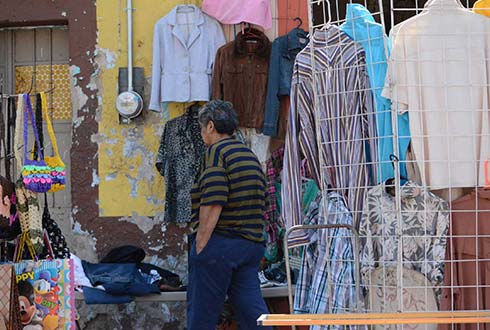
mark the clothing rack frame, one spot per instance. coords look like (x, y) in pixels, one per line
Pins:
(403, 316)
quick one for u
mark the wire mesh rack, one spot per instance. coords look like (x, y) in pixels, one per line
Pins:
(393, 121)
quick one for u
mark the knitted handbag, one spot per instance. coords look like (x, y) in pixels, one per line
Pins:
(55, 164)
(28, 208)
(30, 217)
(35, 173)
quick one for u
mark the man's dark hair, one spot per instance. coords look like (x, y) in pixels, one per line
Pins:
(222, 114)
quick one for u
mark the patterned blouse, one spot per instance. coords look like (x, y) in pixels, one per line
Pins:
(424, 220)
(179, 159)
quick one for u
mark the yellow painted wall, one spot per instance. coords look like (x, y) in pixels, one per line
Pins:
(128, 182)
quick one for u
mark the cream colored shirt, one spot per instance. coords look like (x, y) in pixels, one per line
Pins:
(439, 71)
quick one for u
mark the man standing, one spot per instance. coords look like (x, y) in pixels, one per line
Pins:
(228, 214)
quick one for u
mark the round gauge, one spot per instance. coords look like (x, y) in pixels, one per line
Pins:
(129, 104)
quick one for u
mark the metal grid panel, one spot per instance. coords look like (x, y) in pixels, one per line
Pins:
(422, 248)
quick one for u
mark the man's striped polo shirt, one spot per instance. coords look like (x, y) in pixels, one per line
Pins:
(231, 176)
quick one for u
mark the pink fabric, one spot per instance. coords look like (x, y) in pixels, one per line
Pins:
(236, 11)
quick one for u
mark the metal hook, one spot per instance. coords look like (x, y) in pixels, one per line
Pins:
(50, 90)
(299, 20)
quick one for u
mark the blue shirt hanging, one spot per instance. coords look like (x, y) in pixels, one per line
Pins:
(361, 27)
(283, 54)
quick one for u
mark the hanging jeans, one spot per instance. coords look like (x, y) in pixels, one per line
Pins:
(226, 266)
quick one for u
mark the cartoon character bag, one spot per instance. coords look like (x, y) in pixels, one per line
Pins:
(55, 164)
(46, 294)
(35, 173)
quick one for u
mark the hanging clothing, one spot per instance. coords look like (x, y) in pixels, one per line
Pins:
(271, 216)
(345, 94)
(273, 202)
(179, 157)
(360, 26)
(467, 273)
(237, 11)
(482, 7)
(240, 77)
(283, 54)
(184, 48)
(438, 73)
(309, 192)
(425, 219)
(311, 295)
(257, 142)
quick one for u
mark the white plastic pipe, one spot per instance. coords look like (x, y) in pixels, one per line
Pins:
(130, 45)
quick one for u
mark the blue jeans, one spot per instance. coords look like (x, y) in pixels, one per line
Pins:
(119, 279)
(226, 266)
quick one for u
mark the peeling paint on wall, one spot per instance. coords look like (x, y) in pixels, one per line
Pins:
(79, 99)
(95, 178)
(83, 243)
(128, 165)
(111, 176)
(105, 58)
(145, 224)
(75, 70)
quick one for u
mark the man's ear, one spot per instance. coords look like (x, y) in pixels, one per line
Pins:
(210, 125)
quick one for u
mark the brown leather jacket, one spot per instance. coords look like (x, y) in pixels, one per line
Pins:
(240, 76)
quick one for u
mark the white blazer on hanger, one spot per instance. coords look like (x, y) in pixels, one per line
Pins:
(184, 48)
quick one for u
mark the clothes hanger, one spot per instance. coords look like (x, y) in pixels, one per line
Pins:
(302, 34)
(329, 10)
(299, 20)
(298, 29)
(249, 35)
(186, 7)
(389, 183)
(249, 31)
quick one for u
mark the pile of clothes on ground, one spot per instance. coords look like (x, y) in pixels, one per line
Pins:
(122, 275)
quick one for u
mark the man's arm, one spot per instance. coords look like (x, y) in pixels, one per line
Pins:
(208, 218)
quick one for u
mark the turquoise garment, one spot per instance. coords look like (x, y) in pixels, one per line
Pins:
(361, 27)
(309, 193)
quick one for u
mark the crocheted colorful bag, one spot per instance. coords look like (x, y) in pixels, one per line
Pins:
(55, 164)
(35, 173)
(28, 208)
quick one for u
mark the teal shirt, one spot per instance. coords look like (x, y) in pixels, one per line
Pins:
(309, 192)
(361, 27)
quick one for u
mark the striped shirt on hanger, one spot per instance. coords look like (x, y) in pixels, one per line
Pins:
(328, 261)
(345, 114)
